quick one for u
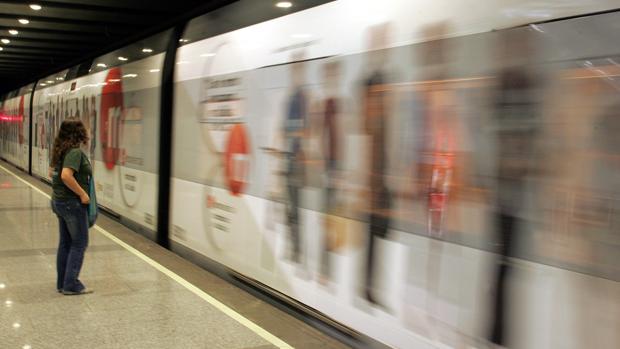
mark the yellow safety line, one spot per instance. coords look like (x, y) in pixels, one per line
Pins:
(188, 285)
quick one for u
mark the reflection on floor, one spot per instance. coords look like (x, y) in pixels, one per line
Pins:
(134, 304)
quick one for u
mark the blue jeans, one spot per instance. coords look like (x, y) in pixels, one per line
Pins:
(73, 226)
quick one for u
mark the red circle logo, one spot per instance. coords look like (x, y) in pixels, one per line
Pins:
(237, 159)
(111, 114)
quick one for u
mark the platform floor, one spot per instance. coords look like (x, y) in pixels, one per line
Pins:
(145, 296)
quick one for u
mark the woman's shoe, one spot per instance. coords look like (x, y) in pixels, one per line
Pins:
(77, 293)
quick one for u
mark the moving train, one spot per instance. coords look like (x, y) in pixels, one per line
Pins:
(368, 161)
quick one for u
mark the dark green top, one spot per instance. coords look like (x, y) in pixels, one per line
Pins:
(74, 159)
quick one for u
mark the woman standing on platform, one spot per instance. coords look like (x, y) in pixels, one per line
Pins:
(71, 171)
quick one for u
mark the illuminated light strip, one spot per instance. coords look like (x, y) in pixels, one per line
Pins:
(188, 285)
(482, 78)
(6, 117)
(593, 77)
(430, 84)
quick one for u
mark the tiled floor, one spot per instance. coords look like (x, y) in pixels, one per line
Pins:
(134, 304)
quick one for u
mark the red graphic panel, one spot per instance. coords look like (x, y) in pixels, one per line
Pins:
(236, 159)
(111, 112)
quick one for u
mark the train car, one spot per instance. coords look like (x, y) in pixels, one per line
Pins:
(340, 157)
(117, 99)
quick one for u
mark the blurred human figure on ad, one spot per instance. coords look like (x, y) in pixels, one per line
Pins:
(437, 163)
(517, 122)
(375, 115)
(295, 132)
(330, 112)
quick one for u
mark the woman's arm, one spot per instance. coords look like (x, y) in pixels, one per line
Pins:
(71, 183)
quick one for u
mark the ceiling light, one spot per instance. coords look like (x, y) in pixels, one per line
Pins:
(121, 58)
(130, 75)
(102, 65)
(2, 286)
(60, 78)
(36, 7)
(16, 325)
(27, 346)
(43, 84)
(5, 41)
(147, 50)
(182, 62)
(207, 55)
(284, 4)
(154, 70)
(114, 80)
(1, 49)
(13, 32)
(183, 40)
(8, 303)
(49, 81)
(23, 21)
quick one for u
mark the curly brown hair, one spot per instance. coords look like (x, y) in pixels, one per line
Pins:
(72, 133)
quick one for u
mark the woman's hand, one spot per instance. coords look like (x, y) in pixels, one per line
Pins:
(84, 199)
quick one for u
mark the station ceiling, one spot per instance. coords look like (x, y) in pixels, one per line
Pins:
(41, 37)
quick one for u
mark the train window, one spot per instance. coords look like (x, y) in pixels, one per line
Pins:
(72, 73)
(138, 50)
(53, 79)
(25, 90)
(237, 15)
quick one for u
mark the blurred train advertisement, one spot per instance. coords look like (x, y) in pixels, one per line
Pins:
(15, 127)
(412, 182)
(120, 107)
